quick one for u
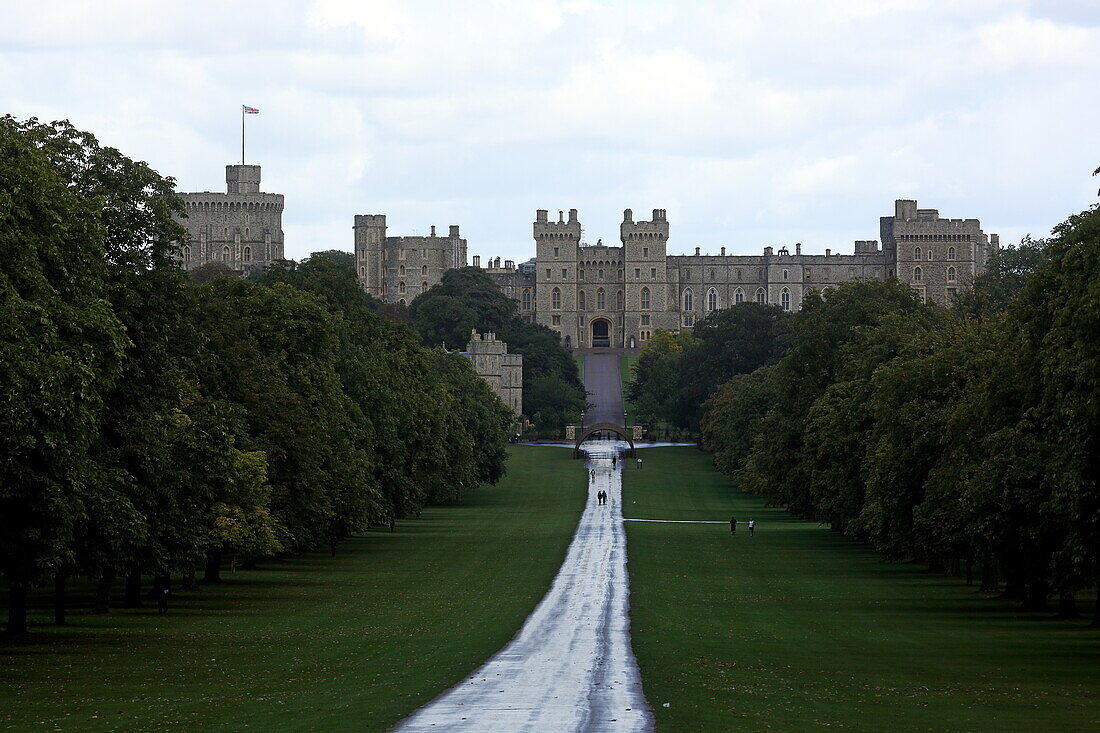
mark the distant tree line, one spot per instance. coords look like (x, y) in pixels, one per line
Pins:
(965, 437)
(152, 424)
(467, 299)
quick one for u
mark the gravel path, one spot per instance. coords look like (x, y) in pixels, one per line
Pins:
(601, 381)
(571, 667)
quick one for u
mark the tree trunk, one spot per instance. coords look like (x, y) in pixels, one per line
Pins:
(59, 599)
(952, 567)
(132, 597)
(990, 581)
(103, 593)
(17, 608)
(188, 580)
(1035, 596)
(969, 571)
(213, 572)
(1067, 605)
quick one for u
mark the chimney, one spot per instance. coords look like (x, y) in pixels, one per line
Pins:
(723, 251)
(477, 260)
(572, 216)
(628, 216)
(540, 215)
(828, 252)
(433, 230)
(798, 248)
(454, 231)
(767, 251)
(696, 251)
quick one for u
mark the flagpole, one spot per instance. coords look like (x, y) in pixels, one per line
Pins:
(242, 134)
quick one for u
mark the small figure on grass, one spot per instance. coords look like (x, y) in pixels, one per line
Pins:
(162, 601)
(733, 525)
(752, 527)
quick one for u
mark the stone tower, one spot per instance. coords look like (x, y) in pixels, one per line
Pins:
(556, 248)
(241, 228)
(370, 238)
(644, 254)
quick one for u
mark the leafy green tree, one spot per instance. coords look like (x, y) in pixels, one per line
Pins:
(60, 351)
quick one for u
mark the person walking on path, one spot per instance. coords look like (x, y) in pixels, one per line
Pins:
(733, 525)
(752, 527)
(162, 601)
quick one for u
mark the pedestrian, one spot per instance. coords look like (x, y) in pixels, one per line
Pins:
(613, 461)
(639, 464)
(393, 524)
(162, 601)
(733, 525)
(752, 527)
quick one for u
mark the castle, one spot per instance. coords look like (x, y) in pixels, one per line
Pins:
(617, 296)
(241, 228)
(503, 371)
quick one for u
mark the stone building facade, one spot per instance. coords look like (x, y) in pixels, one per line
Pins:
(503, 371)
(617, 296)
(241, 228)
(397, 269)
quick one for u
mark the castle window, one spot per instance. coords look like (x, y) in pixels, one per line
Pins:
(689, 300)
(555, 299)
(739, 274)
(950, 274)
(424, 254)
(526, 300)
(738, 296)
(556, 251)
(401, 271)
(689, 321)
(601, 302)
(564, 273)
(637, 273)
(645, 299)
(712, 300)
(600, 274)
(423, 271)
(401, 254)
(950, 253)
(186, 254)
(401, 302)
(645, 251)
(247, 254)
(362, 271)
(712, 274)
(785, 299)
(645, 319)
(619, 300)
(401, 287)
(929, 256)
(786, 274)
(580, 274)
(547, 273)
(423, 287)
(918, 275)
(653, 272)
(225, 253)
(581, 305)
(555, 320)
(687, 274)
(761, 296)
(620, 274)
(917, 254)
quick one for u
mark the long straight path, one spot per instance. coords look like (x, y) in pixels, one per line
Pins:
(605, 392)
(571, 667)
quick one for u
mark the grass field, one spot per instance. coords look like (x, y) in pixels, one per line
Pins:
(798, 628)
(351, 642)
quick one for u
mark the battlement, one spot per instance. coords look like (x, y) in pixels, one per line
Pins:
(543, 228)
(242, 179)
(370, 220)
(213, 200)
(905, 210)
(657, 228)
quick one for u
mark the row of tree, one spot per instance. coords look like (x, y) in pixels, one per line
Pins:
(964, 437)
(152, 424)
(468, 299)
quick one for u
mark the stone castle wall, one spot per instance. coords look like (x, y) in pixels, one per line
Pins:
(503, 371)
(397, 269)
(241, 228)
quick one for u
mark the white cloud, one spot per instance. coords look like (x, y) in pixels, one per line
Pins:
(752, 123)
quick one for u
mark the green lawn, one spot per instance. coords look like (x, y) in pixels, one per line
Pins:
(579, 358)
(798, 628)
(352, 642)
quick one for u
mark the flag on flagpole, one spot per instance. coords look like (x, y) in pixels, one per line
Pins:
(250, 110)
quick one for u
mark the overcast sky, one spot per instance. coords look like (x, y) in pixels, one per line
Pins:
(753, 123)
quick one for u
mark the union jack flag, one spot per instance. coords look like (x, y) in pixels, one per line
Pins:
(250, 110)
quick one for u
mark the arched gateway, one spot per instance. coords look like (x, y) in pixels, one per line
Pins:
(601, 332)
(602, 427)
